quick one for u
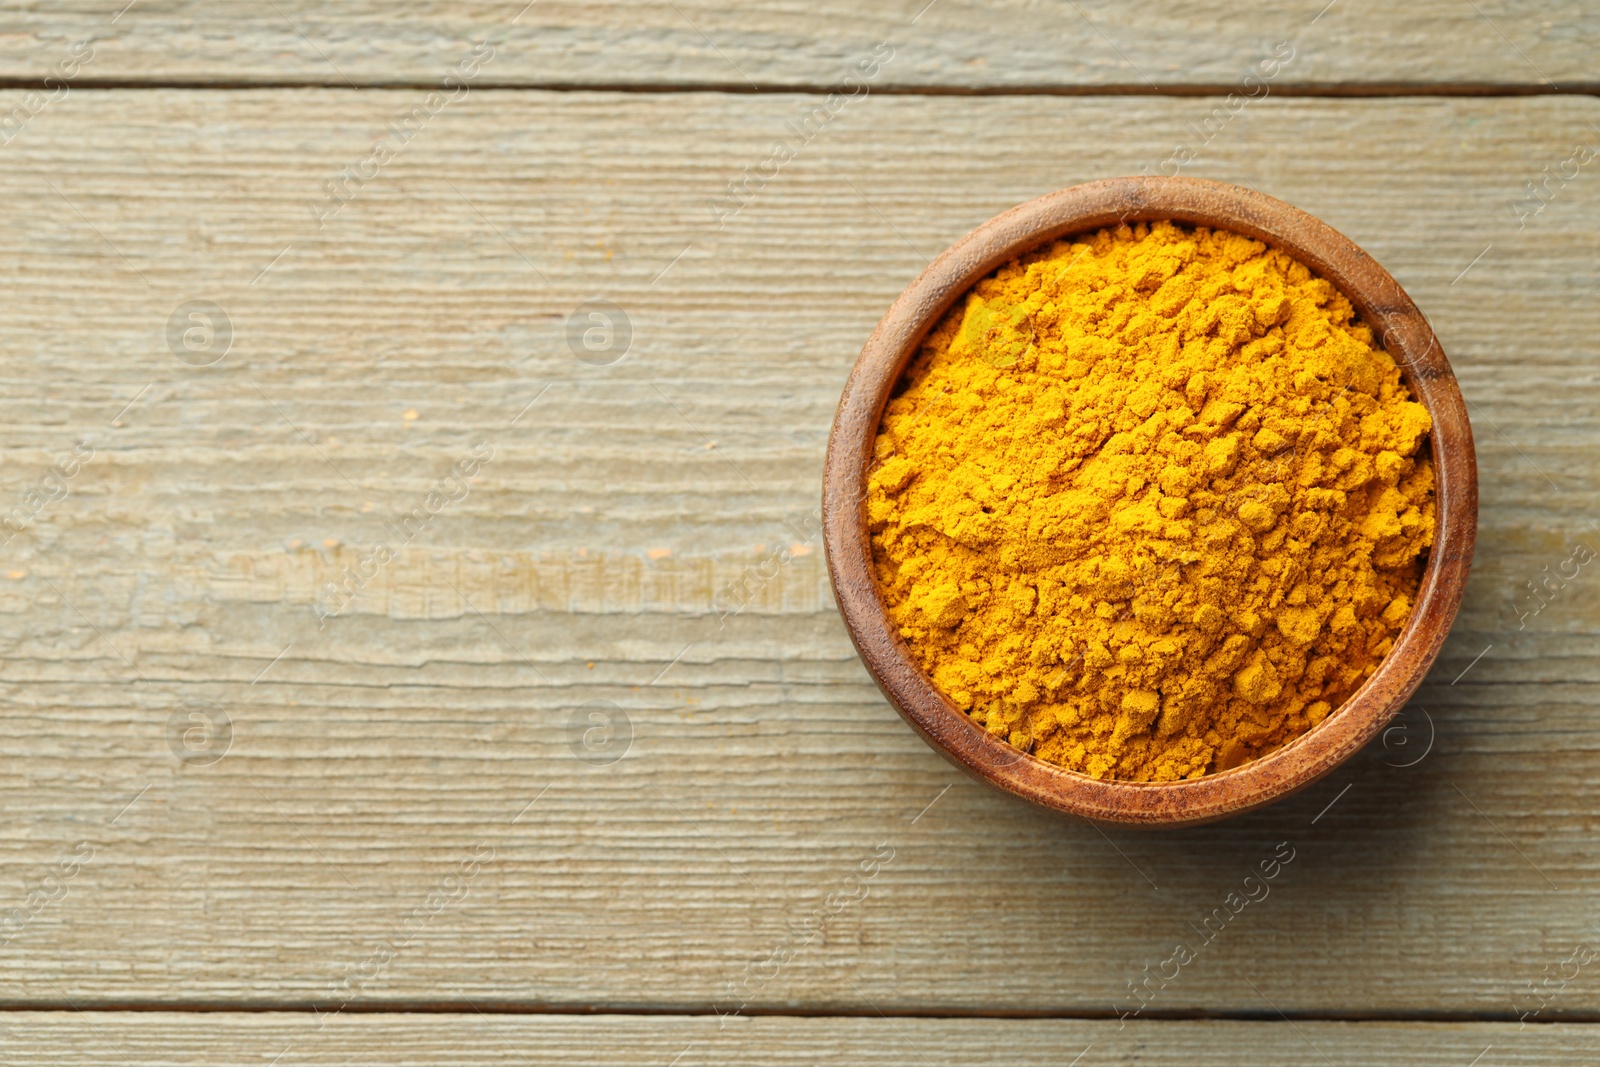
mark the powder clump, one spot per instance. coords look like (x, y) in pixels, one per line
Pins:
(1150, 503)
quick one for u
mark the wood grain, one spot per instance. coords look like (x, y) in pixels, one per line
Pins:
(370, 759)
(1354, 45)
(167, 1039)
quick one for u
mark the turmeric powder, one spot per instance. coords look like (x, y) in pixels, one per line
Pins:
(1150, 503)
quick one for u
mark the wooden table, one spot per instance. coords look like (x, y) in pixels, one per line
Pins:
(572, 761)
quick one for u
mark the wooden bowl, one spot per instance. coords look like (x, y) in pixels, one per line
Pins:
(1382, 305)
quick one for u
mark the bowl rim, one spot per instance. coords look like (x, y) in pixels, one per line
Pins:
(1381, 303)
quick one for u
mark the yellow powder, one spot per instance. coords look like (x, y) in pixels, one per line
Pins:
(1150, 503)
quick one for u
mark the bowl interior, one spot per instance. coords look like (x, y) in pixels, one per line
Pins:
(1380, 302)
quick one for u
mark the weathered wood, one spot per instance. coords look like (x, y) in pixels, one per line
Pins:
(957, 44)
(370, 759)
(168, 1038)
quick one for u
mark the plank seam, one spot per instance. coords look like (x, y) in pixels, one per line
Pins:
(465, 1007)
(1340, 90)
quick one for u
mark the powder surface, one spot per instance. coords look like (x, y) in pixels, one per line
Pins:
(1150, 502)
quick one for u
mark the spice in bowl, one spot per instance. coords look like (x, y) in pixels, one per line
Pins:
(1150, 503)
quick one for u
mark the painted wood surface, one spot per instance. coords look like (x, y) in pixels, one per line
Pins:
(169, 1038)
(1358, 46)
(226, 788)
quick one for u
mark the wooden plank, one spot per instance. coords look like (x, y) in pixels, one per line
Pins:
(375, 760)
(956, 44)
(170, 1039)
